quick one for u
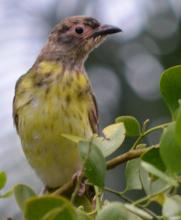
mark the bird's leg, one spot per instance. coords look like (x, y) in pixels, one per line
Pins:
(78, 180)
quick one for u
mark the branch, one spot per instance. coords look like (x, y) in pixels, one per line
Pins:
(129, 155)
(64, 188)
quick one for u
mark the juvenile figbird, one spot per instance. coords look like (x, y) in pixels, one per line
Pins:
(55, 97)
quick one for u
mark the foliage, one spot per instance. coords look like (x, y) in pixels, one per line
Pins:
(153, 170)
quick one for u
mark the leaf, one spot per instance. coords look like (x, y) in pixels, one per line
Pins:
(49, 207)
(170, 86)
(172, 207)
(3, 179)
(83, 201)
(139, 212)
(178, 128)
(132, 175)
(152, 169)
(116, 211)
(95, 165)
(131, 124)
(60, 213)
(114, 137)
(73, 138)
(153, 157)
(145, 180)
(169, 150)
(22, 193)
(82, 215)
(7, 194)
(151, 186)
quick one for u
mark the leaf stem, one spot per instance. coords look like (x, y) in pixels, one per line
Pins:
(120, 194)
(144, 199)
(98, 198)
(143, 134)
(129, 155)
(130, 201)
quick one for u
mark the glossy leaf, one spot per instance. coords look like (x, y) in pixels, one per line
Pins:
(138, 211)
(169, 150)
(153, 157)
(132, 175)
(131, 124)
(172, 207)
(145, 180)
(83, 201)
(73, 138)
(49, 207)
(149, 184)
(94, 163)
(114, 136)
(81, 215)
(178, 128)
(153, 170)
(3, 179)
(7, 194)
(170, 86)
(22, 193)
(115, 211)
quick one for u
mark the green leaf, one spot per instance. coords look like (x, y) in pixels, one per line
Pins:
(7, 194)
(145, 180)
(114, 136)
(178, 128)
(94, 163)
(132, 175)
(131, 124)
(169, 150)
(3, 179)
(149, 184)
(83, 201)
(49, 207)
(153, 170)
(82, 215)
(172, 207)
(116, 211)
(73, 138)
(22, 193)
(138, 211)
(153, 157)
(170, 86)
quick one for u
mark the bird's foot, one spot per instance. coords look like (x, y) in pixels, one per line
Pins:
(78, 180)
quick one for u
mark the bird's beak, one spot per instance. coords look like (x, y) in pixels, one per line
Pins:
(105, 30)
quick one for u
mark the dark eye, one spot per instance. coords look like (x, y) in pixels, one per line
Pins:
(79, 30)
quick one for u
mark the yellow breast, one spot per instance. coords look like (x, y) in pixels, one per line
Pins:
(59, 104)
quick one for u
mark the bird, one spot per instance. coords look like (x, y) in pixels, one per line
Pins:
(55, 97)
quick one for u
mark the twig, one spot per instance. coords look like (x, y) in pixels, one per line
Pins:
(144, 199)
(144, 133)
(132, 154)
(64, 188)
(120, 194)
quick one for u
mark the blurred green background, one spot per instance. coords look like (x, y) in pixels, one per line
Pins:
(124, 71)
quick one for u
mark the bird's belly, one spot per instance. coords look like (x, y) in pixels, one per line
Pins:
(42, 123)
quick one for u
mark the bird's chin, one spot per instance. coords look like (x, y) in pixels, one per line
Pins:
(98, 40)
(94, 42)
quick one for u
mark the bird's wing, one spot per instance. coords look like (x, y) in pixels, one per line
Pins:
(21, 98)
(93, 115)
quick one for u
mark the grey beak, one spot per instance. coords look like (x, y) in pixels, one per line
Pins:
(105, 30)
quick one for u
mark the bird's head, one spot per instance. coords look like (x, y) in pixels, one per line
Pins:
(74, 37)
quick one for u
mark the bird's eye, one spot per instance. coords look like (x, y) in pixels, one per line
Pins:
(79, 30)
